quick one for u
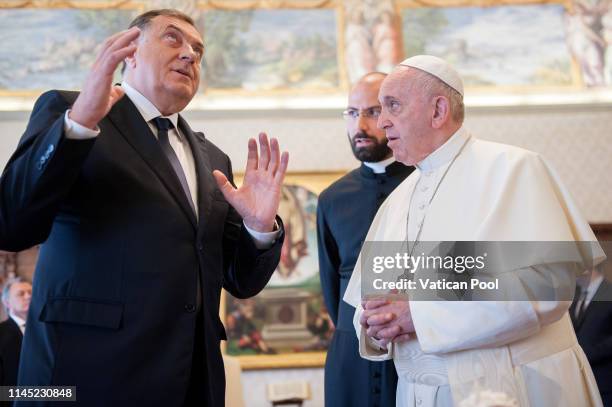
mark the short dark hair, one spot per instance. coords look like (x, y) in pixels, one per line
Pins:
(144, 19)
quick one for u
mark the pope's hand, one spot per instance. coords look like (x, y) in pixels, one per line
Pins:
(258, 198)
(99, 94)
(387, 321)
(371, 307)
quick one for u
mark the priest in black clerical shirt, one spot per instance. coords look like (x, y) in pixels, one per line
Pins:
(345, 211)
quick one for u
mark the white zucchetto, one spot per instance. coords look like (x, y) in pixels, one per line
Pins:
(438, 68)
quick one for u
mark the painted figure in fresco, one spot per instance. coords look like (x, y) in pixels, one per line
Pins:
(585, 39)
(241, 325)
(373, 37)
(295, 245)
(606, 23)
(321, 325)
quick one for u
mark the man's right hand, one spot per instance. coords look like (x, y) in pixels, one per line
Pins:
(99, 94)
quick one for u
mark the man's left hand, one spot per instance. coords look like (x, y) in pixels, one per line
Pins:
(258, 198)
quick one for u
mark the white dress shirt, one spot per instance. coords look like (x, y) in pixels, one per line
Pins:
(20, 322)
(179, 143)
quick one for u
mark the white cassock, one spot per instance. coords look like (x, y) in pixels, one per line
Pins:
(525, 349)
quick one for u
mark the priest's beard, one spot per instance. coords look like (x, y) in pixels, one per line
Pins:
(373, 153)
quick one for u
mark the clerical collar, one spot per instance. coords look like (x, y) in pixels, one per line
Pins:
(380, 166)
(145, 107)
(445, 153)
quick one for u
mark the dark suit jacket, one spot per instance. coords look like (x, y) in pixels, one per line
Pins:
(113, 306)
(594, 332)
(10, 347)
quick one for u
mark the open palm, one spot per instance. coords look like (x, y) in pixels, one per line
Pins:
(258, 198)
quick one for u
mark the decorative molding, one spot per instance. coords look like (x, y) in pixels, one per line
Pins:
(265, 4)
(297, 360)
(201, 5)
(56, 4)
(476, 3)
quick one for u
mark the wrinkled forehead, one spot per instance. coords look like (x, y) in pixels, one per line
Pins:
(391, 86)
(399, 84)
(20, 286)
(159, 24)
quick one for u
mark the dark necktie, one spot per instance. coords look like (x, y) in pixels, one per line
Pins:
(163, 125)
(580, 304)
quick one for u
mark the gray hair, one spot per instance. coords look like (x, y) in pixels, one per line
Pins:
(9, 283)
(432, 86)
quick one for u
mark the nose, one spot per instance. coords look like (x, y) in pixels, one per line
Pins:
(363, 122)
(382, 122)
(188, 54)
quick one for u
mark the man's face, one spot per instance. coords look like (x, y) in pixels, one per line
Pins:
(166, 65)
(19, 299)
(368, 142)
(406, 117)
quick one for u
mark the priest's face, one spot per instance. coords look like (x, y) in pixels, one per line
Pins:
(368, 142)
(406, 116)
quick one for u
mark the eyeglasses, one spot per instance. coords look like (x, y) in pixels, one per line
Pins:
(371, 112)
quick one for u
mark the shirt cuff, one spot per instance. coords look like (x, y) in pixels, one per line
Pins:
(264, 240)
(370, 349)
(76, 131)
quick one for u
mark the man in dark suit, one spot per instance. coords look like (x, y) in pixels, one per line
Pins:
(346, 210)
(16, 296)
(591, 314)
(141, 227)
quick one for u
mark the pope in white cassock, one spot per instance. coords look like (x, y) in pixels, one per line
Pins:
(465, 189)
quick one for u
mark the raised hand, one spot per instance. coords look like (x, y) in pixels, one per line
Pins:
(99, 94)
(258, 198)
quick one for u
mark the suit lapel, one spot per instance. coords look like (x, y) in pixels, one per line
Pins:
(130, 124)
(601, 294)
(206, 181)
(15, 328)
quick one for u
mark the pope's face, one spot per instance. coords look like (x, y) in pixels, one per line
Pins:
(405, 117)
(166, 65)
(368, 142)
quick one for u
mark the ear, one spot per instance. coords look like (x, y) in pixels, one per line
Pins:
(441, 112)
(130, 60)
